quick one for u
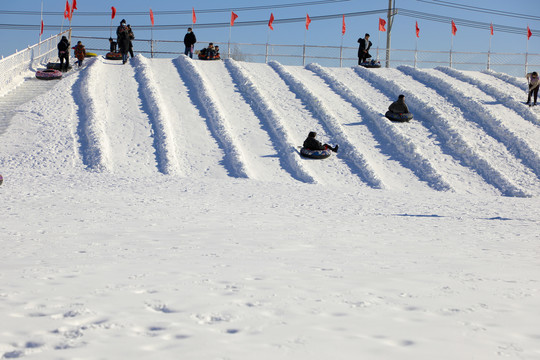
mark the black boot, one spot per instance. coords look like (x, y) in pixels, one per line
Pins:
(335, 149)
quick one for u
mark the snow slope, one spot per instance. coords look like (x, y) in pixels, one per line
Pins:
(160, 209)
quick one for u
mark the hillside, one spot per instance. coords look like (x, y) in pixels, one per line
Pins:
(160, 209)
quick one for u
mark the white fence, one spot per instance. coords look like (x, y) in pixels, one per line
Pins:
(14, 65)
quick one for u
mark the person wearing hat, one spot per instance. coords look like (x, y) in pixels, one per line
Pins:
(399, 106)
(189, 42)
(63, 53)
(122, 32)
(313, 144)
(80, 53)
(363, 49)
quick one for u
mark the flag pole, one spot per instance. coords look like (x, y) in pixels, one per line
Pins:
(304, 51)
(489, 50)
(229, 43)
(41, 24)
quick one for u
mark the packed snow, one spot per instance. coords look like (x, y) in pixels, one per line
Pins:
(161, 210)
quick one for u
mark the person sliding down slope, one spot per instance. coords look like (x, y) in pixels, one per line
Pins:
(313, 144)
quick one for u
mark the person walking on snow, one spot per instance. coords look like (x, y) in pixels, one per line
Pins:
(80, 53)
(131, 38)
(189, 42)
(399, 106)
(123, 40)
(363, 49)
(63, 53)
(313, 144)
(534, 85)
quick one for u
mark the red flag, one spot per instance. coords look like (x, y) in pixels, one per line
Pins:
(271, 21)
(382, 23)
(308, 21)
(193, 17)
(152, 17)
(73, 7)
(454, 28)
(529, 33)
(41, 32)
(491, 28)
(113, 12)
(233, 17)
(343, 26)
(66, 11)
(417, 30)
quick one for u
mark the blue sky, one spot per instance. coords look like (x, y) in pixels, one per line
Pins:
(433, 35)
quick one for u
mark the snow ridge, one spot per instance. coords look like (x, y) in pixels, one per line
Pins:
(93, 139)
(493, 126)
(405, 149)
(317, 107)
(261, 107)
(507, 100)
(217, 123)
(446, 132)
(166, 151)
(519, 83)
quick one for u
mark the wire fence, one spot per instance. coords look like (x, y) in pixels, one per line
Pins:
(27, 59)
(332, 56)
(516, 64)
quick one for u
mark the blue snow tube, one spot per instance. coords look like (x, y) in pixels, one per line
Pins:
(398, 117)
(315, 154)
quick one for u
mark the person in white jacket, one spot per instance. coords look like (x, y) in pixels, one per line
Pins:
(534, 85)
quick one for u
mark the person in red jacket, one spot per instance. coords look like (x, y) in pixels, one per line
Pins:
(80, 53)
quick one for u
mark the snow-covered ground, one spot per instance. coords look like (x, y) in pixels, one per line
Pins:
(161, 210)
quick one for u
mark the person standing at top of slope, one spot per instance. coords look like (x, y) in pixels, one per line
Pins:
(313, 144)
(131, 38)
(189, 41)
(399, 106)
(534, 85)
(63, 53)
(80, 53)
(122, 33)
(363, 49)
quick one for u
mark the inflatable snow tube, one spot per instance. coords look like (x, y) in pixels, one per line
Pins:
(113, 56)
(315, 154)
(90, 54)
(56, 66)
(49, 74)
(398, 117)
(204, 57)
(371, 64)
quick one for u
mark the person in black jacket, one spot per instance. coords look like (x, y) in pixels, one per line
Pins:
(313, 144)
(63, 53)
(363, 49)
(131, 38)
(122, 33)
(189, 41)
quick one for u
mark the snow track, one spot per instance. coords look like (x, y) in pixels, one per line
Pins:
(203, 97)
(353, 157)
(385, 132)
(465, 140)
(178, 117)
(499, 122)
(270, 119)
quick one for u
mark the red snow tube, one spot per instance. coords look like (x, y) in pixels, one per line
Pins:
(49, 74)
(114, 56)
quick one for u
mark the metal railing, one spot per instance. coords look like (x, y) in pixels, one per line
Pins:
(27, 59)
(335, 56)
